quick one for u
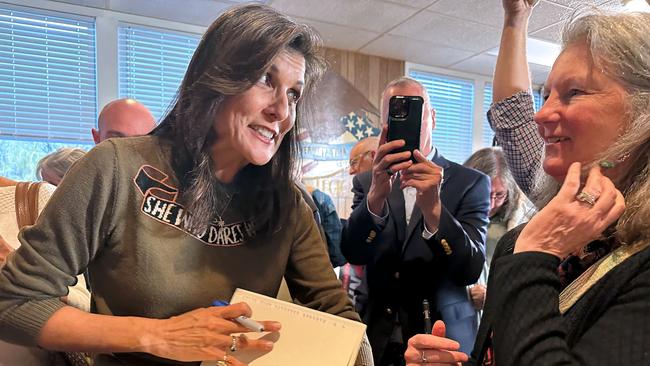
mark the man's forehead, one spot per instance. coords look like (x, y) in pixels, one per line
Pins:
(404, 89)
(355, 150)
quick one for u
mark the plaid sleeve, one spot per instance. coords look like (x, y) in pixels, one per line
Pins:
(512, 122)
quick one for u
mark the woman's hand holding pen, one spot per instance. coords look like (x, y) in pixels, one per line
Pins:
(205, 334)
(433, 349)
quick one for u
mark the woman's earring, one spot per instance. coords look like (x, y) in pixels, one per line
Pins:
(608, 164)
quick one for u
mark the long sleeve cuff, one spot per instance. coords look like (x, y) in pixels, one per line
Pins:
(377, 219)
(426, 234)
(364, 357)
(27, 320)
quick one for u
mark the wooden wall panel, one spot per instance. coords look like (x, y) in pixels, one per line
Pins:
(368, 74)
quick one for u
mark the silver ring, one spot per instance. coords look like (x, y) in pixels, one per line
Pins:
(233, 345)
(424, 358)
(389, 171)
(587, 198)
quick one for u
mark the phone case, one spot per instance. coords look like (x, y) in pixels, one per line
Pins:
(405, 127)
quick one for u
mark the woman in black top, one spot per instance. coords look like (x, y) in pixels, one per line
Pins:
(572, 287)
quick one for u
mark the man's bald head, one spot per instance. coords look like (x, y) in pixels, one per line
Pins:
(362, 155)
(123, 118)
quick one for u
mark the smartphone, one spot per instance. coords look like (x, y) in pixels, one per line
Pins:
(404, 120)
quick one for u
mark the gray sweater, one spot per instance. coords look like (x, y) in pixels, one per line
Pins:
(116, 214)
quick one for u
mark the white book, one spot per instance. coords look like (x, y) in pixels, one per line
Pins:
(307, 337)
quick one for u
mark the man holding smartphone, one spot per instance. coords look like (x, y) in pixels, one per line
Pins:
(418, 223)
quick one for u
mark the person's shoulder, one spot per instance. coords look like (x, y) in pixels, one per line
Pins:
(641, 259)
(136, 143)
(469, 172)
(364, 178)
(320, 196)
(468, 175)
(506, 244)
(138, 151)
(300, 194)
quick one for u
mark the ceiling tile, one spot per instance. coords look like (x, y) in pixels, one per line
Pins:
(338, 36)
(552, 33)
(576, 3)
(438, 29)
(419, 4)
(488, 12)
(201, 12)
(415, 51)
(375, 16)
(546, 14)
(482, 64)
(91, 3)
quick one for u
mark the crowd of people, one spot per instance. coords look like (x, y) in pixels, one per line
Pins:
(533, 252)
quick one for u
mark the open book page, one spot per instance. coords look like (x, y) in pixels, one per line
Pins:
(307, 337)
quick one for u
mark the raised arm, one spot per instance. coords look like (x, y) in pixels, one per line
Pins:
(511, 74)
(511, 114)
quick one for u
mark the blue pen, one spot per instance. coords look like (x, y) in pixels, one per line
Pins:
(248, 323)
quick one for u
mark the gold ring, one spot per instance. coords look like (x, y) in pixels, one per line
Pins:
(224, 362)
(587, 198)
(233, 345)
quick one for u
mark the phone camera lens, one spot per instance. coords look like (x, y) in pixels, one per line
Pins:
(399, 107)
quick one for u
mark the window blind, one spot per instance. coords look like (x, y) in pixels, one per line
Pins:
(488, 134)
(537, 99)
(152, 63)
(453, 100)
(47, 76)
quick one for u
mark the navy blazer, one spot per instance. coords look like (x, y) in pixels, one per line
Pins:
(402, 268)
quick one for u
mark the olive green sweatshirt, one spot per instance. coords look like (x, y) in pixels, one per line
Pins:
(116, 214)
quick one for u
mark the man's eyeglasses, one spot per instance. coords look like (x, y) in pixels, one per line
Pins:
(357, 158)
(498, 196)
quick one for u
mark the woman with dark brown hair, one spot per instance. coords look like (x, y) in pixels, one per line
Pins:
(169, 222)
